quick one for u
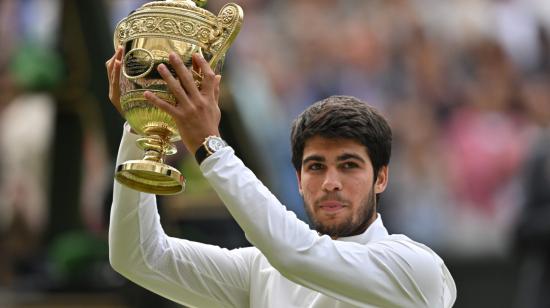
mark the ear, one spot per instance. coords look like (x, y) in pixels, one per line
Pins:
(299, 178)
(381, 180)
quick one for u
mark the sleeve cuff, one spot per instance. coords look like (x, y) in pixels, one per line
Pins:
(128, 147)
(211, 161)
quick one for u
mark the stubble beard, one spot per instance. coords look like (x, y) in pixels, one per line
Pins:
(354, 224)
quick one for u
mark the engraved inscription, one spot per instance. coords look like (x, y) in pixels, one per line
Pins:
(138, 63)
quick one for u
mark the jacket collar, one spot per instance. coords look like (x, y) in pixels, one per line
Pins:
(375, 232)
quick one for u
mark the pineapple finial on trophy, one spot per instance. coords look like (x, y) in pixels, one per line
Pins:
(199, 3)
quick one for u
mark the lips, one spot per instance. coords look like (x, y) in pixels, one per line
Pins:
(331, 205)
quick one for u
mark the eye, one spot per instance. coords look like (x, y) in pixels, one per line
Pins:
(315, 166)
(349, 165)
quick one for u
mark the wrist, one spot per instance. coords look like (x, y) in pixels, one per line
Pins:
(194, 143)
(209, 146)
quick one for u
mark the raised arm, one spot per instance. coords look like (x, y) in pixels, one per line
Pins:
(390, 273)
(395, 272)
(189, 273)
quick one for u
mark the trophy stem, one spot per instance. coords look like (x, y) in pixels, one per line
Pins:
(156, 146)
(151, 174)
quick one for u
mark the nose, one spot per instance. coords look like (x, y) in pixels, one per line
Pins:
(332, 181)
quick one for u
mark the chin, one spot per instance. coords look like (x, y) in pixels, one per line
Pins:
(333, 228)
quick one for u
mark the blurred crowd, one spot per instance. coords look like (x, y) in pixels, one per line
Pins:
(465, 85)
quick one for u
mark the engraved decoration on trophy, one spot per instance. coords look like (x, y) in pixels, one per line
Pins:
(148, 35)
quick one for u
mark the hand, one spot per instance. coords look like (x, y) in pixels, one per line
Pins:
(113, 73)
(196, 112)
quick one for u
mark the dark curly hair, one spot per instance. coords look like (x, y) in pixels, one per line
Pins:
(343, 117)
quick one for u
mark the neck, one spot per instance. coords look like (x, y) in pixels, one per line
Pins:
(362, 228)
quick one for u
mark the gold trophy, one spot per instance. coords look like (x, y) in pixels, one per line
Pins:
(148, 35)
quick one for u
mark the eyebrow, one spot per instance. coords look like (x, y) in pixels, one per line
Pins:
(317, 158)
(345, 156)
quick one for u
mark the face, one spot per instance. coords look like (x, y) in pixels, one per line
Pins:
(338, 186)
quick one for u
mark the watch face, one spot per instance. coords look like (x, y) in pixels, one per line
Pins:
(214, 144)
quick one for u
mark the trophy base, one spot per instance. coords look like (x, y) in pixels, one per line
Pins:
(150, 177)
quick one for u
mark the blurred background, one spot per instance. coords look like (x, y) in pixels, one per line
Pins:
(465, 85)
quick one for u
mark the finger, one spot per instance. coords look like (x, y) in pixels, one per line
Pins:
(109, 66)
(160, 103)
(118, 53)
(173, 84)
(110, 63)
(208, 76)
(114, 86)
(111, 77)
(217, 83)
(116, 74)
(196, 73)
(184, 75)
(196, 67)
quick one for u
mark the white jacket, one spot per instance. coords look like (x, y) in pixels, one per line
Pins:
(290, 265)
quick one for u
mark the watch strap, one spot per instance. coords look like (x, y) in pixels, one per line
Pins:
(201, 154)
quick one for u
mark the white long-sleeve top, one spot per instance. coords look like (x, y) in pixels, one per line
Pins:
(290, 265)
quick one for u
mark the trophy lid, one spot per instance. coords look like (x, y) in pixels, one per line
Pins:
(186, 4)
(182, 20)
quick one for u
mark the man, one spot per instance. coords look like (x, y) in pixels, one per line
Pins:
(341, 149)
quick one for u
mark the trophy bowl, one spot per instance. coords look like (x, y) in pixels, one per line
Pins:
(148, 35)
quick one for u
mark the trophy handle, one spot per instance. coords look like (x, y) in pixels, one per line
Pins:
(119, 33)
(230, 19)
